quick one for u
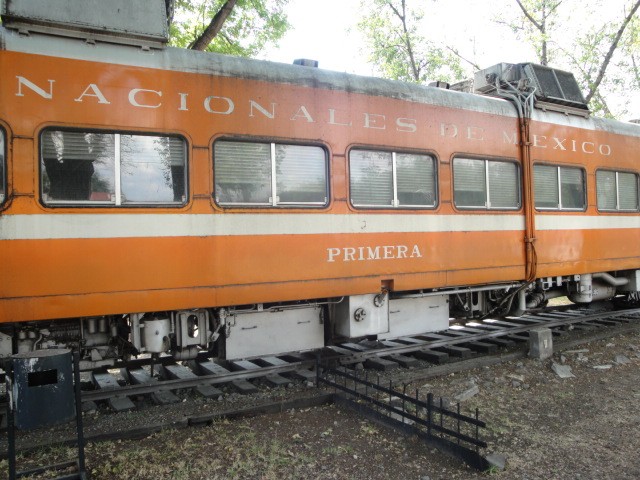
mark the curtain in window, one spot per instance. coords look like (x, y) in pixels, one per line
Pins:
(469, 182)
(301, 174)
(545, 182)
(415, 180)
(503, 185)
(371, 178)
(78, 166)
(242, 172)
(606, 190)
(628, 191)
(572, 185)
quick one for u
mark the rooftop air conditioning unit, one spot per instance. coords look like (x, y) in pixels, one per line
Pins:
(485, 80)
(551, 87)
(555, 86)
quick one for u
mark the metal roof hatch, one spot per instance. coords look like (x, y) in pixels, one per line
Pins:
(112, 21)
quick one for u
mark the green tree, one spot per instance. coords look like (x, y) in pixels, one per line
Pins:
(536, 25)
(604, 58)
(396, 47)
(631, 51)
(234, 27)
(603, 55)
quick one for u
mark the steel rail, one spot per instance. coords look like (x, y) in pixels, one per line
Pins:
(357, 357)
(328, 356)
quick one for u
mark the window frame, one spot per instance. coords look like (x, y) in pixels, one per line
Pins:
(560, 208)
(395, 202)
(617, 209)
(274, 202)
(487, 206)
(4, 180)
(117, 203)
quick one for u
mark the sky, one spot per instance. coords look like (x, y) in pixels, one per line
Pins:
(320, 31)
(326, 31)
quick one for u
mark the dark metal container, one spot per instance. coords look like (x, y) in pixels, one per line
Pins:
(42, 393)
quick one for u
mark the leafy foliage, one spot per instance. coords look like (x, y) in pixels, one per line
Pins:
(250, 27)
(536, 24)
(604, 55)
(397, 48)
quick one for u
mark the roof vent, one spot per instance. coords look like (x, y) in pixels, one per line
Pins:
(305, 62)
(440, 84)
(553, 89)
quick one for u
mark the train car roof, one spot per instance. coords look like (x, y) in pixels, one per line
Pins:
(206, 63)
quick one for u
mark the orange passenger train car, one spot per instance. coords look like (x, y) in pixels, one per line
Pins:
(159, 200)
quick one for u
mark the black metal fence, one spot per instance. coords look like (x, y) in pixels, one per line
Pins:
(433, 421)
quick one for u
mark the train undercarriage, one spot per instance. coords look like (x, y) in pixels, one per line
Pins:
(270, 329)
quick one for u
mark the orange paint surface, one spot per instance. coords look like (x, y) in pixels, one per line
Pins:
(55, 278)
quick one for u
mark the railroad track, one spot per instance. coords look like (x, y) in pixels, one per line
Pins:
(458, 348)
(459, 342)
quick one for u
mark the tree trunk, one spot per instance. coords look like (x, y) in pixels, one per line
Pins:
(203, 41)
(612, 48)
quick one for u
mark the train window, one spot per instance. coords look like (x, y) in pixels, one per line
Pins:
(392, 179)
(617, 191)
(485, 184)
(97, 168)
(301, 175)
(2, 167)
(559, 188)
(269, 174)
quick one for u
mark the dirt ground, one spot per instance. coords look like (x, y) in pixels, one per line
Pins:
(547, 427)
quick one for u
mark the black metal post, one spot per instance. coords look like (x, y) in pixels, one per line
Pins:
(404, 394)
(429, 413)
(477, 429)
(366, 383)
(458, 423)
(79, 425)
(11, 428)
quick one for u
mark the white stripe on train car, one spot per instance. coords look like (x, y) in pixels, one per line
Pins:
(61, 226)
(586, 222)
(131, 225)
(36, 227)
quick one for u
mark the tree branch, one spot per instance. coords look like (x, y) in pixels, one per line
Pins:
(612, 48)
(457, 54)
(407, 39)
(554, 7)
(636, 70)
(203, 41)
(528, 15)
(605, 107)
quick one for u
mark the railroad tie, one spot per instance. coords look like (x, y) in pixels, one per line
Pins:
(273, 379)
(139, 376)
(303, 374)
(105, 380)
(175, 371)
(211, 368)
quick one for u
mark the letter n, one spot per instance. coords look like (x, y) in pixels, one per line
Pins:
(34, 88)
